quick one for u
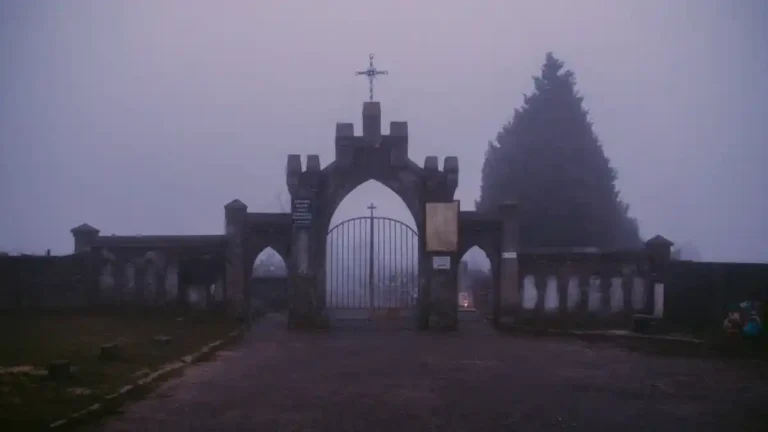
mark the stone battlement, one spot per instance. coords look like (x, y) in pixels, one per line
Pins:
(394, 145)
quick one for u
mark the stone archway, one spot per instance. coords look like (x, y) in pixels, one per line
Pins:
(267, 289)
(405, 184)
(371, 261)
(478, 281)
(319, 191)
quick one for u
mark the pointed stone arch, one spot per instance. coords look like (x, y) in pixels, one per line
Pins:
(403, 183)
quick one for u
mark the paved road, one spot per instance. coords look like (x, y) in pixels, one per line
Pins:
(368, 379)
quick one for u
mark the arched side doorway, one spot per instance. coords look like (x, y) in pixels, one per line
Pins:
(484, 232)
(268, 283)
(476, 280)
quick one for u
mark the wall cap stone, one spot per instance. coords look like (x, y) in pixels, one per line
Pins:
(235, 204)
(84, 228)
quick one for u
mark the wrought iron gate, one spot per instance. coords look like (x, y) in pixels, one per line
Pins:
(372, 264)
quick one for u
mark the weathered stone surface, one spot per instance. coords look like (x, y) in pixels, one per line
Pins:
(235, 204)
(85, 235)
(398, 129)
(313, 163)
(430, 164)
(372, 122)
(60, 370)
(84, 228)
(162, 340)
(444, 293)
(293, 172)
(345, 129)
(305, 312)
(110, 351)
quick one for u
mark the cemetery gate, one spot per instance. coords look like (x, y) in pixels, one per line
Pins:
(371, 266)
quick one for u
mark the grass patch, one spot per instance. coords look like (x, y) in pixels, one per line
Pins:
(30, 400)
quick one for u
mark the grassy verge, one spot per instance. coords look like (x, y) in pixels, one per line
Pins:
(30, 400)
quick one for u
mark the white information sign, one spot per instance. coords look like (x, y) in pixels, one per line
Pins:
(509, 255)
(441, 262)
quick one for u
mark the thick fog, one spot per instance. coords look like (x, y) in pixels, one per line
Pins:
(146, 117)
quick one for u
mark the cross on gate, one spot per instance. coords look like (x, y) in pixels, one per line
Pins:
(371, 73)
(371, 207)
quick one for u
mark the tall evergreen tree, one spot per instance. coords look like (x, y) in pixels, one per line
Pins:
(549, 160)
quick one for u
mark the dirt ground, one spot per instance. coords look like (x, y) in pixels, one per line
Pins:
(366, 378)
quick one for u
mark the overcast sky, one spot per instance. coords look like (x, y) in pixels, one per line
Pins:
(148, 116)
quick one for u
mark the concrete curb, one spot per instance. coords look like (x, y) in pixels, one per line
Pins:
(147, 380)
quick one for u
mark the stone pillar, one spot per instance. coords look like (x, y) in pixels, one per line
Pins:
(509, 302)
(659, 251)
(85, 236)
(442, 281)
(301, 313)
(307, 295)
(438, 288)
(444, 291)
(424, 269)
(306, 281)
(235, 215)
(492, 293)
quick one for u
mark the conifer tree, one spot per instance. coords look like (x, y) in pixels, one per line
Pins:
(549, 160)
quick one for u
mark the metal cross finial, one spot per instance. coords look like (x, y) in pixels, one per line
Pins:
(371, 207)
(371, 73)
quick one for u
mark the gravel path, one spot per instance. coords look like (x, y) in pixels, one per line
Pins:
(365, 378)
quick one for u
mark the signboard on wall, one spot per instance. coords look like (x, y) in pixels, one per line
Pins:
(301, 210)
(442, 226)
(441, 262)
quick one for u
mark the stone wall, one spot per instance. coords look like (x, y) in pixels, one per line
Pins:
(44, 282)
(101, 278)
(159, 278)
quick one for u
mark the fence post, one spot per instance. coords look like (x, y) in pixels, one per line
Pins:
(85, 236)
(235, 216)
(659, 251)
(508, 303)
